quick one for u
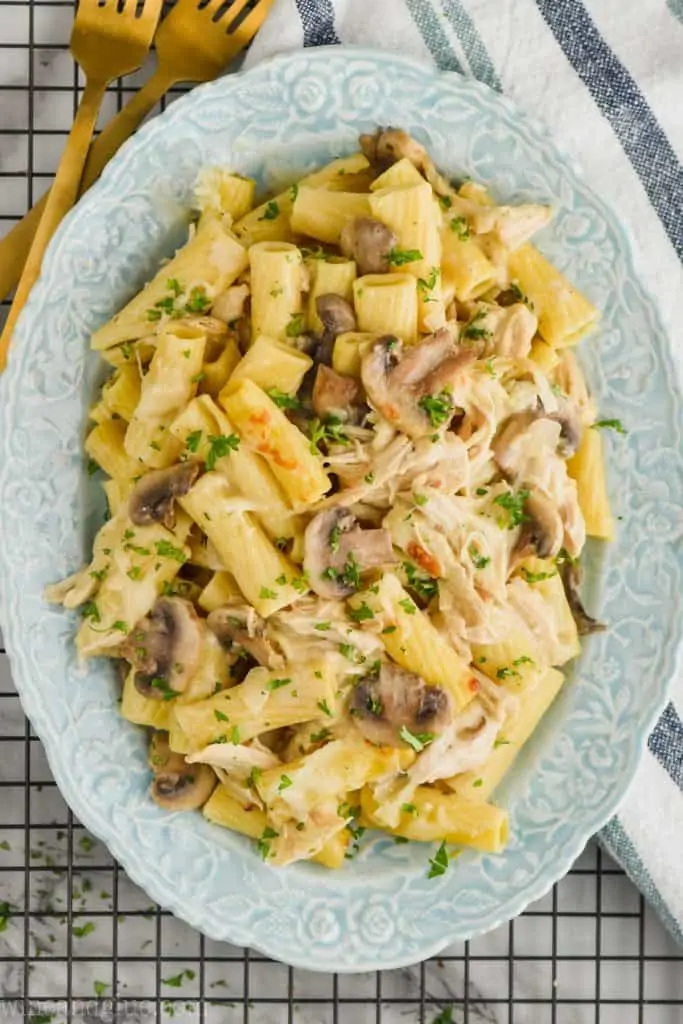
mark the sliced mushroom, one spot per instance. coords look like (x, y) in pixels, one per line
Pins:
(184, 790)
(337, 315)
(544, 529)
(334, 394)
(337, 550)
(399, 381)
(384, 705)
(165, 648)
(240, 626)
(389, 145)
(571, 579)
(368, 241)
(153, 498)
(506, 444)
(570, 428)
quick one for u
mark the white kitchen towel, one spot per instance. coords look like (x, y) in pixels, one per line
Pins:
(607, 79)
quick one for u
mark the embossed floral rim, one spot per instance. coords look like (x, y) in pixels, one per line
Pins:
(380, 911)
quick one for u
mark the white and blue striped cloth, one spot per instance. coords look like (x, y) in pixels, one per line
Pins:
(607, 79)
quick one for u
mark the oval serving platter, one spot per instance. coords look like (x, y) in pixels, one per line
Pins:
(380, 911)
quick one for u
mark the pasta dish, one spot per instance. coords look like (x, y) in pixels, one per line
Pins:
(351, 462)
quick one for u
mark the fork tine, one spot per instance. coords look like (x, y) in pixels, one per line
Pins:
(249, 25)
(234, 10)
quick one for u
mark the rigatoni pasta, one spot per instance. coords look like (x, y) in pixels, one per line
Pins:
(351, 474)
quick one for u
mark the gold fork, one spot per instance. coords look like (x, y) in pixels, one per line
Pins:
(194, 44)
(109, 39)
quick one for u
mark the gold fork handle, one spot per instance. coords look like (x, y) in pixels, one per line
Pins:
(15, 246)
(62, 197)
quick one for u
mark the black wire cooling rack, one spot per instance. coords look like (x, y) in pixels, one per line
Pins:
(80, 943)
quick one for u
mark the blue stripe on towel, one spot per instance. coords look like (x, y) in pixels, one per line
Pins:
(317, 18)
(616, 841)
(433, 35)
(626, 109)
(666, 743)
(477, 55)
(676, 8)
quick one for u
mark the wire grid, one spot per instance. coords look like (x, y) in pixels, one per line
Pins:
(80, 942)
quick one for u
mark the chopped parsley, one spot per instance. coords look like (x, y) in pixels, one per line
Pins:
(388, 629)
(165, 549)
(282, 399)
(295, 326)
(349, 652)
(5, 914)
(438, 864)
(90, 611)
(193, 440)
(349, 576)
(506, 673)
(408, 808)
(519, 295)
(536, 577)
(334, 538)
(445, 202)
(514, 506)
(439, 407)
(254, 776)
(235, 735)
(428, 284)
(275, 684)
(220, 716)
(322, 627)
(477, 783)
(523, 659)
(326, 430)
(611, 425)
(399, 257)
(177, 979)
(460, 226)
(284, 783)
(501, 743)
(320, 737)
(481, 491)
(418, 741)
(219, 447)
(360, 614)
(408, 606)
(424, 586)
(374, 706)
(80, 931)
(369, 478)
(324, 707)
(314, 254)
(420, 499)
(478, 560)
(474, 332)
(160, 684)
(135, 573)
(271, 212)
(267, 595)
